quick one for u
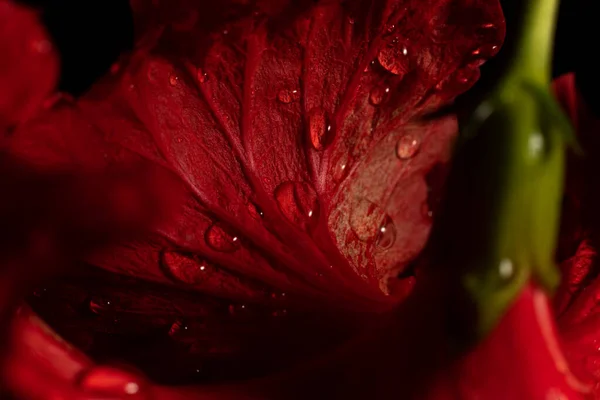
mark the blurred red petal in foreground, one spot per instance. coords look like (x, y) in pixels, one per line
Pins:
(29, 67)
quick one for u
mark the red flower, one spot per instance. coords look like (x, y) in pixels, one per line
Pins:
(308, 197)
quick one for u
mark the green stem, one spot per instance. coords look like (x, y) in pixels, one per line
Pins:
(533, 54)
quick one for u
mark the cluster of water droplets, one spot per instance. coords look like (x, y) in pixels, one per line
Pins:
(465, 76)
(298, 201)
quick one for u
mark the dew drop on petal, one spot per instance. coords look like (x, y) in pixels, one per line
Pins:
(255, 211)
(173, 79)
(387, 234)
(298, 202)
(341, 167)
(184, 268)
(487, 31)
(460, 80)
(394, 59)
(201, 75)
(482, 53)
(220, 239)
(318, 128)
(378, 95)
(366, 220)
(101, 306)
(407, 146)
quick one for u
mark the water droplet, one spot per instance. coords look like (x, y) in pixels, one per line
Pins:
(351, 20)
(482, 53)
(486, 51)
(487, 32)
(390, 28)
(459, 81)
(378, 95)
(536, 144)
(219, 239)
(506, 268)
(255, 211)
(111, 381)
(318, 127)
(201, 75)
(100, 306)
(298, 202)
(367, 219)
(394, 58)
(173, 79)
(387, 234)
(183, 268)
(287, 96)
(369, 66)
(486, 28)
(341, 167)
(407, 146)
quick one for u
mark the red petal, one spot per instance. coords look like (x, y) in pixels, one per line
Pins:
(29, 69)
(579, 295)
(302, 172)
